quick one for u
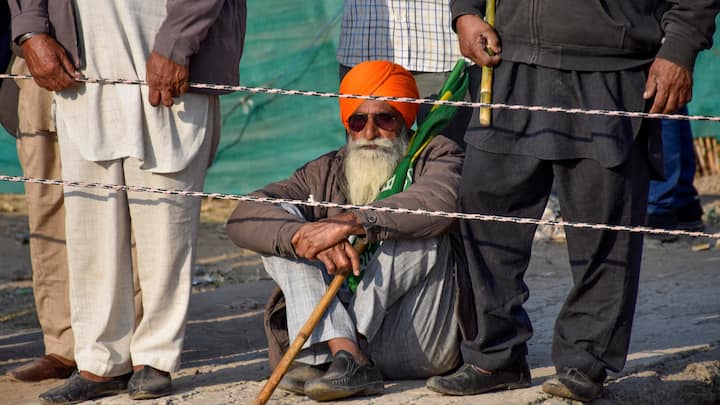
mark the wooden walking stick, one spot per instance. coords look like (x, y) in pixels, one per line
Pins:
(304, 334)
(487, 72)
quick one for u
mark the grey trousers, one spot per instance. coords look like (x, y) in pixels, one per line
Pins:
(404, 307)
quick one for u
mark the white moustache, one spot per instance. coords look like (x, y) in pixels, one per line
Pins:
(377, 143)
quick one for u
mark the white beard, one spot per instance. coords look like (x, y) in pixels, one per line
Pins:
(367, 169)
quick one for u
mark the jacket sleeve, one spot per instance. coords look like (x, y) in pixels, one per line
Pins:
(435, 189)
(268, 228)
(29, 16)
(186, 25)
(462, 7)
(688, 26)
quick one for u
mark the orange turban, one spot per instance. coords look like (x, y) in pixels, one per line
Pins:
(379, 78)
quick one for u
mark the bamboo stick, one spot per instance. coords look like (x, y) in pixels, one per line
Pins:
(487, 72)
(716, 154)
(700, 157)
(713, 159)
(705, 157)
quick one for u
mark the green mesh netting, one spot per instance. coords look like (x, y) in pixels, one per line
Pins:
(705, 90)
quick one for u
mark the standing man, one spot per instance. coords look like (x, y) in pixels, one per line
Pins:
(25, 113)
(618, 55)
(414, 34)
(116, 134)
(39, 157)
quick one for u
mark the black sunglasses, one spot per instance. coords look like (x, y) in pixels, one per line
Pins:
(386, 121)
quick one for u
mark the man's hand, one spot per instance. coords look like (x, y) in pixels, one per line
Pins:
(670, 84)
(166, 79)
(340, 258)
(326, 240)
(314, 237)
(48, 63)
(475, 35)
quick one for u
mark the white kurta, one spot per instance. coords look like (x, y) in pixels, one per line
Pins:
(111, 134)
(107, 122)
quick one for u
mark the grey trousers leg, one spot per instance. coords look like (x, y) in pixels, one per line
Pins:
(404, 306)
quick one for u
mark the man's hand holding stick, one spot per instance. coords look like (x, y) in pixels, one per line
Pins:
(479, 42)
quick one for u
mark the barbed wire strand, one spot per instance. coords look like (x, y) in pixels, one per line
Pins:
(496, 218)
(292, 92)
(312, 203)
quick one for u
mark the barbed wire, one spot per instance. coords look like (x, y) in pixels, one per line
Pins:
(311, 93)
(313, 203)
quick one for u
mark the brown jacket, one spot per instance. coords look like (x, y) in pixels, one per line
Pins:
(207, 35)
(268, 228)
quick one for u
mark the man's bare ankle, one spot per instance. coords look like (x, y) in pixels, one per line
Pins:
(349, 346)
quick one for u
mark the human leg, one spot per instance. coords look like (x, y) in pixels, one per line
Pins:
(661, 195)
(100, 265)
(405, 308)
(688, 208)
(674, 202)
(101, 281)
(40, 158)
(592, 332)
(164, 229)
(303, 284)
(497, 256)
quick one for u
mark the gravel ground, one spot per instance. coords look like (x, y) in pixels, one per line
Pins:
(675, 349)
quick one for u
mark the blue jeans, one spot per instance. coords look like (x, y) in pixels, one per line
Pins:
(677, 190)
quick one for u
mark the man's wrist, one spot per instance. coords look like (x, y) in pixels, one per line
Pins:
(24, 37)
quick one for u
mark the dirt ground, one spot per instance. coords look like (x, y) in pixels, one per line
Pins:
(675, 350)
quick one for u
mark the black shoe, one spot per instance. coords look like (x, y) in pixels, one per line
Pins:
(470, 380)
(573, 384)
(295, 379)
(148, 383)
(690, 214)
(78, 389)
(662, 221)
(345, 378)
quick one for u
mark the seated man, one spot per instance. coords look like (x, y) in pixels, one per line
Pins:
(400, 322)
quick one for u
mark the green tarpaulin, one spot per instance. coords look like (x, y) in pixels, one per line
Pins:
(706, 90)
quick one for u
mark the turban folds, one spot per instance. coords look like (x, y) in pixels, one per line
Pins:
(379, 78)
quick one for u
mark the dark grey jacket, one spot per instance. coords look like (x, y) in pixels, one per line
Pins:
(5, 53)
(207, 35)
(268, 228)
(599, 35)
